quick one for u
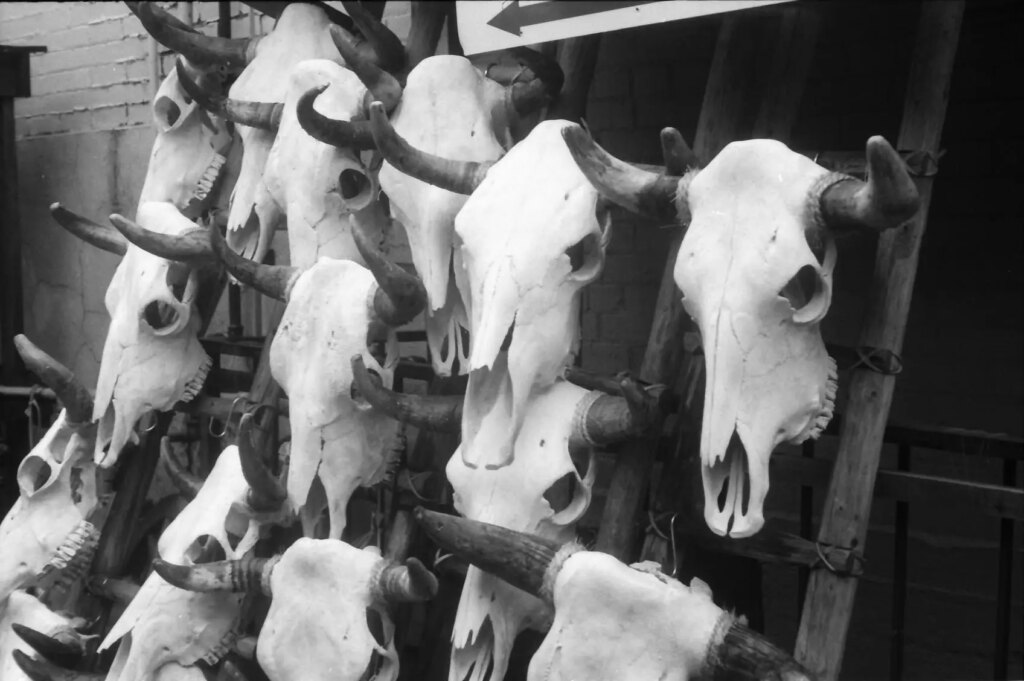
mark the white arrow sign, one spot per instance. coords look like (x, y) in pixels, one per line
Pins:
(488, 25)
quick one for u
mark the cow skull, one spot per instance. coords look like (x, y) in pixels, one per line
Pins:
(326, 598)
(51, 526)
(755, 269)
(164, 625)
(522, 277)
(24, 609)
(662, 629)
(335, 309)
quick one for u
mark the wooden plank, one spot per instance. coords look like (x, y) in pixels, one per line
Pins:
(577, 57)
(997, 501)
(829, 602)
(12, 371)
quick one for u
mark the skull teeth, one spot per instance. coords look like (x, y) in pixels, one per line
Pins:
(195, 384)
(222, 647)
(824, 415)
(205, 183)
(73, 557)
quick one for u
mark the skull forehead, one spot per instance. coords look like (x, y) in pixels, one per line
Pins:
(342, 99)
(525, 216)
(325, 323)
(512, 496)
(325, 569)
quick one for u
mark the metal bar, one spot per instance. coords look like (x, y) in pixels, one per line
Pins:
(899, 576)
(1001, 654)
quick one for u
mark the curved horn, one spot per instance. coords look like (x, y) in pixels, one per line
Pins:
(385, 44)
(383, 87)
(199, 49)
(246, 574)
(41, 670)
(61, 652)
(461, 177)
(744, 654)
(436, 413)
(400, 296)
(520, 559)
(100, 236)
(613, 418)
(275, 281)
(191, 247)
(638, 190)
(58, 378)
(346, 134)
(185, 482)
(532, 95)
(887, 200)
(678, 155)
(406, 583)
(265, 492)
(263, 115)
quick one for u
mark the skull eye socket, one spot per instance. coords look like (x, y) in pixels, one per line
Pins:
(561, 492)
(352, 183)
(586, 257)
(33, 474)
(205, 549)
(808, 295)
(160, 315)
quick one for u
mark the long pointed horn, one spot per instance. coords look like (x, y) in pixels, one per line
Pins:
(275, 281)
(100, 236)
(384, 87)
(61, 652)
(520, 559)
(613, 418)
(406, 583)
(191, 247)
(199, 49)
(400, 295)
(58, 378)
(265, 492)
(743, 654)
(246, 574)
(346, 134)
(887, 200)
(385, 44)
(461, 177)
(638, 190)
(41, 670)
(532, 95)
(677, 154)
(185, 482)
(263, 115)
(436, 413)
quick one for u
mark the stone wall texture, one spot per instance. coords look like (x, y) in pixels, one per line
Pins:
(85, 136)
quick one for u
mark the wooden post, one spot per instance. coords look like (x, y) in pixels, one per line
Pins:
(577, 57)
(829, 603)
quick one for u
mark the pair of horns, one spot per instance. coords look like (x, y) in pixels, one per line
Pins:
(393, 584)
(886, 200)
(609, 418)
(57, 655)
(399, 297)
(532, 563)
(201, 50)
(69, 390)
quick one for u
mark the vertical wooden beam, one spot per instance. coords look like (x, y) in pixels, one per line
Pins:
(577, 57)
(12, 372)
(826, 616)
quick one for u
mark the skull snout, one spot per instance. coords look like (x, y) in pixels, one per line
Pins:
(731, 505)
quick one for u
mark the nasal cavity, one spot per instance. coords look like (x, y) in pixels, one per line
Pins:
(160, 315)
(351, 183)
(508, 336)
(737, 474)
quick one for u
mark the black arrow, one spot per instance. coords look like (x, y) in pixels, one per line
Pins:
(512, 17)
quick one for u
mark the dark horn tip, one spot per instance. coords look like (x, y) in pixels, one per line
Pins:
(56, 651)
(422, 580)
(34, 669)
(175, 575)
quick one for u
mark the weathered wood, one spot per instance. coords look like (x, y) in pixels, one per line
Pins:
(12, 371)
(791, 61)
(577, 57)
(427, 21)
(829, 602)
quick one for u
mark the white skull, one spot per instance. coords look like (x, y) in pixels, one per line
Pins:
(152, 358)
(317, 626)
(22, 608)
(755, 270)
(189, 151)
(301, 33)
(166, 625)
(618, 622)
(531, 241)
(318, 185)
(48, 524)
(492, 613)
(450, 109)
(345, 443)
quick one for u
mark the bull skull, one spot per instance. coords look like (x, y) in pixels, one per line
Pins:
(164, 625)
(336, 309)
(50, 527)
(522, 278)
(755, 269)
(21, 608)
(662, 629)
(325, 595)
